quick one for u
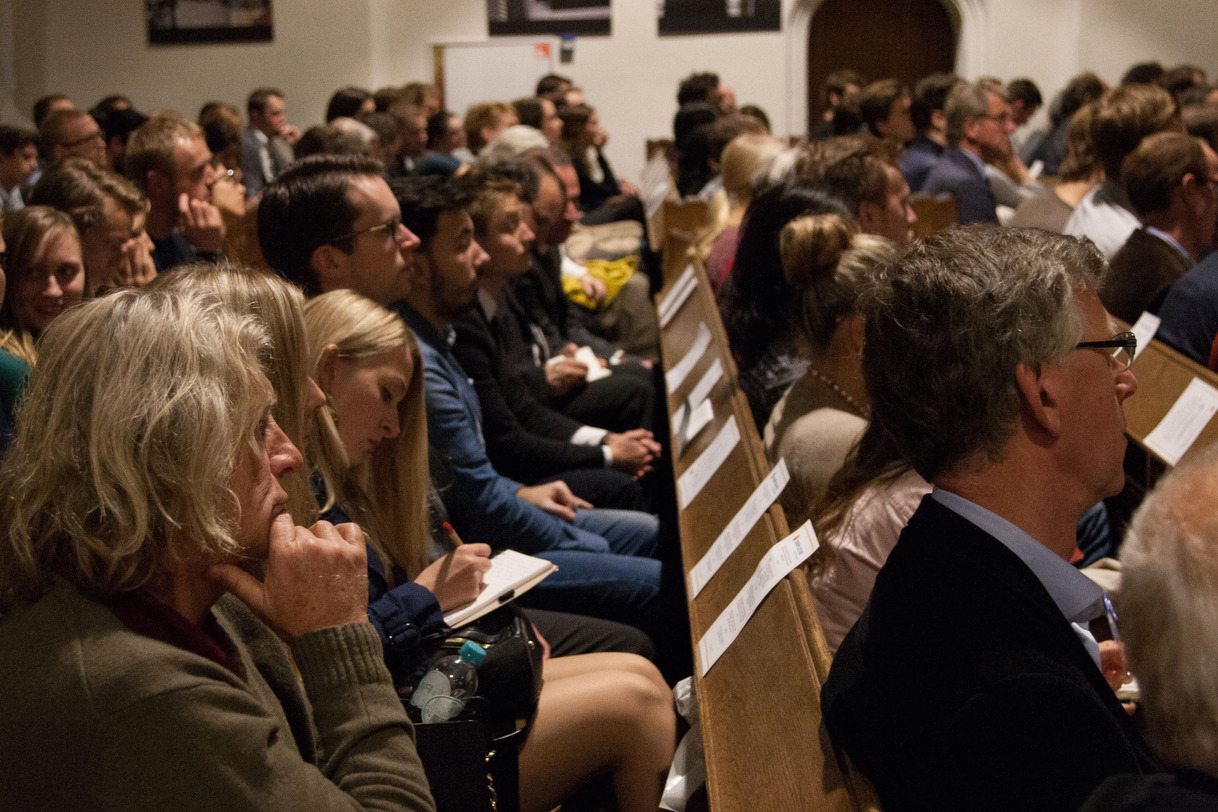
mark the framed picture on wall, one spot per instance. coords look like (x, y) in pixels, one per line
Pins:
(718, 16)
(172, 22)
(515, 17)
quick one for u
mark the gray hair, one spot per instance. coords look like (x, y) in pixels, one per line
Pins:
(511, 142)
(1169, 613)
(948, 320)
(965, 102)
(126, 442)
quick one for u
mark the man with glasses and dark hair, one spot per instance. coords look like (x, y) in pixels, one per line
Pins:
(72, 133)
(979, 128)
(331, 222)
(972, 681)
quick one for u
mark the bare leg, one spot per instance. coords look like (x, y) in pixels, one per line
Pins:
(599, 713)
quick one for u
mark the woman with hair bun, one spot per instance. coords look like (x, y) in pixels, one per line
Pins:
(821, 416)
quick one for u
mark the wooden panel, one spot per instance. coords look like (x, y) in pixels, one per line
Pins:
(766, 744)
(934, 212)
(1163, 374)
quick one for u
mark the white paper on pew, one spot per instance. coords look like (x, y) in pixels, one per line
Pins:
(1184, 421)
(1144, 328)
(676, 298)
(739, 527)
(680, 371)
(703, 413)
(671, 298)
(698, 474)
(777, 563)
(706, 383)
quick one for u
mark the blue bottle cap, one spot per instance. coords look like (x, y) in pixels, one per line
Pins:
(472, 653)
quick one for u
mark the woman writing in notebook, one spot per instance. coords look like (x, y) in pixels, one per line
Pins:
(598, 713)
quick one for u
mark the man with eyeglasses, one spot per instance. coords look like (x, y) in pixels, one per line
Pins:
(72, 133)
(972, 680)
(979, 128)
(331, 222)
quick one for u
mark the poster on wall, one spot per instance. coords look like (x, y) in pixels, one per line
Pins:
(718, 16)
(172, 22)
(515, 17)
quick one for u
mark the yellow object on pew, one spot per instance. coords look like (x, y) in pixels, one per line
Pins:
(614, 273)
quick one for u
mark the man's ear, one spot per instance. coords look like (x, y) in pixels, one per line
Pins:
(1039, 398)
(938, 120)
(325, 369)
(869, 216)
(331, 266)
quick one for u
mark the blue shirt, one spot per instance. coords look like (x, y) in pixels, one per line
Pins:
(1078, 597)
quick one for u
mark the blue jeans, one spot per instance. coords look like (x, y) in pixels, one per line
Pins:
(622, 588)
(629, 532)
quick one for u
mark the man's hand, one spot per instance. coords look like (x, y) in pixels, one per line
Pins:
(315, 578)
(595, 289)
(290, 133)
(564, 375)
(633, 451)
(554, 498)
(456, 579)
(137, 268)
(201, 224)
(627, 188)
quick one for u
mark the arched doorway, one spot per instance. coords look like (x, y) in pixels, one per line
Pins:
(905, 39)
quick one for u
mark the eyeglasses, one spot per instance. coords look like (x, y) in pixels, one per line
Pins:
(393, 225)
(94, 136)
(1003, 119)
(1121, 349)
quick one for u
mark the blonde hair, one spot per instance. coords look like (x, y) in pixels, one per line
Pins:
(278, 304)
(151, 147)
(824, 260)
(127, 442)
(387, 495)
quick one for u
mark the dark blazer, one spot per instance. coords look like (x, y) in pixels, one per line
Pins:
(955, 172)
(1140, 274)
(541, 293)
(962, 686)
(525, 439)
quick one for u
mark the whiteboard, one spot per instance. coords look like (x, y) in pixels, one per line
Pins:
(502, 70)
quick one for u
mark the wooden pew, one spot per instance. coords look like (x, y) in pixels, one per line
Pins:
(765, 742)
(1163, 374)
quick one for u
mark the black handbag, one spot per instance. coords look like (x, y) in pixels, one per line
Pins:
(509, 679)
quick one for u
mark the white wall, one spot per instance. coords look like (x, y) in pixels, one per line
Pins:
(88, 48)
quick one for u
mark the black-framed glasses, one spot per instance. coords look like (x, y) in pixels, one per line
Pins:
(392, 225)
(94, 136)
(1121, 349)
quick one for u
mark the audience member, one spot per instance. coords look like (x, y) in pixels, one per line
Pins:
(483, 121)
(119, 551)
(424, 95)
(1121, 119)
(553, 83)
(839, 86)
(926, 112)
(413, 141)
(266, 146)
(816, 422)
(1079, 173)
(979, 131)
(350, 102)
(603, 197)
(740, 164)
(1079, 91)
(991, 693)
(1170, 179)
(110, 214)
(709, 88)
(18, 160)
(1143, 73)
(1168, 590)
(861, 172)
(540, 114)
(46, 276)
(446, 135)
(331, 222)
(884, 106)
(169, 161)
(759, 306)
(72, 133)
(49, 104)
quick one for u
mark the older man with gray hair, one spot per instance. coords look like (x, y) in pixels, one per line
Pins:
(971, 681)
(979, 128)
(1169, 612)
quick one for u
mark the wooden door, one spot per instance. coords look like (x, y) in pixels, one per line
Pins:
(905, 39)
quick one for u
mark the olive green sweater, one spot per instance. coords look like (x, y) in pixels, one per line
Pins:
(95, 716)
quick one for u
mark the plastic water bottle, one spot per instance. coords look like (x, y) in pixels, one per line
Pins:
(440, 693)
